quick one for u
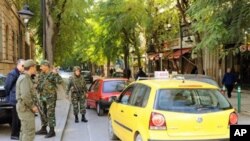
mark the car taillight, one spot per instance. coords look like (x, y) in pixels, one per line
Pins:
(233, 118)
(157, 121)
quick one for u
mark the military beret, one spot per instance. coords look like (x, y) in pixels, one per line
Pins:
(76, 68)
(29, 63)
(45, 62)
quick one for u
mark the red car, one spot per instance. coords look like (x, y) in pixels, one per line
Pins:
(102, 91)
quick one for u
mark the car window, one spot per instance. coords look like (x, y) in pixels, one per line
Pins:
(191, 100)
(112, 86)
(125, 95)
(94, 86)
(85, 73)
(97, 85)
(140, 96)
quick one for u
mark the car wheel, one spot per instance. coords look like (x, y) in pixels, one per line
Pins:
(112, 135)
(138, 137)
(99, 110)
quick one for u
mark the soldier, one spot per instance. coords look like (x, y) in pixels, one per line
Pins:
(46, 87)
(26, 101)
(77, 86)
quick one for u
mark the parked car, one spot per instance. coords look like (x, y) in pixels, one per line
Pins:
(5, 108)
(102, 90)
(87, 76)
(171, 110)
(118, 75)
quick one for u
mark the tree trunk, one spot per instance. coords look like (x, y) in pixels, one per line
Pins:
(108, 68)
(52, 27)
(126, 54)
(49, 32)
(199, 59)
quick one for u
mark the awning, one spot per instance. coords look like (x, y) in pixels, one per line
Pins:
(153, 56)
(178, 53)
(156, 56)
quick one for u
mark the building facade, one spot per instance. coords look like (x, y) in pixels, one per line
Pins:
(15, 41)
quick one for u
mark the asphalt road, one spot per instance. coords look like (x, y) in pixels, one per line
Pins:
(94, 130)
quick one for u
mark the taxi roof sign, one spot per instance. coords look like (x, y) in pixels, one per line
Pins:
(161, 74)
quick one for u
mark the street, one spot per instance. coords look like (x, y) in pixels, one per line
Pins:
(94, 130)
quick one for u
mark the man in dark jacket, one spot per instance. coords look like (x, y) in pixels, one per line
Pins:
(10, 89)
(140, 73)
(228, 80)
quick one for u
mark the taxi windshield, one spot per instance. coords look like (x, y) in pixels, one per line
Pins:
(191, 100)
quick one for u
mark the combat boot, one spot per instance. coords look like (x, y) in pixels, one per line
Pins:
(84, 118)
(42, 131)
(51, 133)
(76, 119)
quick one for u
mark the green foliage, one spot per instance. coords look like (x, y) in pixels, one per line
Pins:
(220, 22)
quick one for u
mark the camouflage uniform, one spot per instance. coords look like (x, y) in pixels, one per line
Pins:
(26, 100)
(47, 85)
(77, 86)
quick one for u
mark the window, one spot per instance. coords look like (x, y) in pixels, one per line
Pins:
(191, 100)
(6, 42)
(140, 96)
(113, 86)
(1, 41)
(125, 96)
(94, 86)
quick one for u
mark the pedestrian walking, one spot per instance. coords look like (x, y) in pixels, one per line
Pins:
(77, 86)
(46, 87)
(10, 88)
(229, 80)
(26, 99)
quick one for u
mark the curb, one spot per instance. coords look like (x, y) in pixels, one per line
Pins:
(64, 125)
(62, 112)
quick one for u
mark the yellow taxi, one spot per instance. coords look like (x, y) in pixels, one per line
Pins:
(164, 110)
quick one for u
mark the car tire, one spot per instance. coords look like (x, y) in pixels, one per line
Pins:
(99, 110)
(112, 135)
(138, 137)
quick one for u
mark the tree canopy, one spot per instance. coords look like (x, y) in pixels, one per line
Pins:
(101, 31)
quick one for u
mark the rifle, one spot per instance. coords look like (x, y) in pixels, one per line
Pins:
(42, 114)
(38, 105)
(78, 91)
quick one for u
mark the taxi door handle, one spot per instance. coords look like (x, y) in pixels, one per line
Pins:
(122, 111)
(135, 115)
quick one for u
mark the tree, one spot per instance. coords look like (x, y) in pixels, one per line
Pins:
(220, 22)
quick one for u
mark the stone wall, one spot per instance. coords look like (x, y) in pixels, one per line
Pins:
(12, 37)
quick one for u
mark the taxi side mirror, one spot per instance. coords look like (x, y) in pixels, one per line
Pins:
(113, 98)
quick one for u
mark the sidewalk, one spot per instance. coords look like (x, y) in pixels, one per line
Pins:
(245, 101)
(62, 111)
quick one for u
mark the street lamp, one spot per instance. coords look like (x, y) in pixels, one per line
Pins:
(25, 14)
